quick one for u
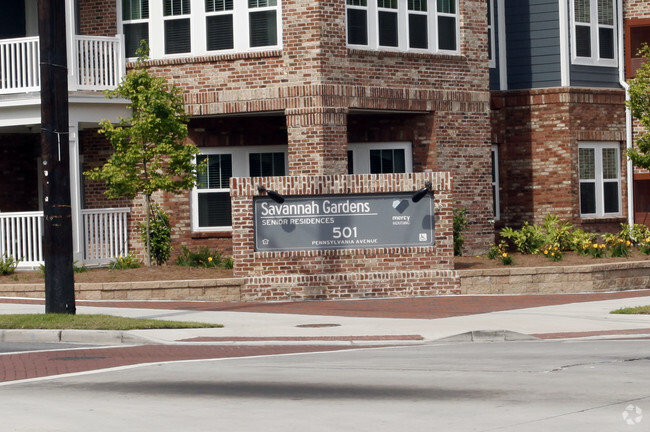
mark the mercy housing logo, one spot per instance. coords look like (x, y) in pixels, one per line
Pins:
(632, 415)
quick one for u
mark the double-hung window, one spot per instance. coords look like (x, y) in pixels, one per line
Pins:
(210, 199)
(593, 32)
(380, 158)
(490, 32)
(600, 179)
(202, 27)
(177, 26)
(135, 21)
(403, 25)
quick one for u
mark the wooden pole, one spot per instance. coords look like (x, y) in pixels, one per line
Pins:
(57, 229)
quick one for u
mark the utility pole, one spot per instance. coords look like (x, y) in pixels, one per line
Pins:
(57, 229)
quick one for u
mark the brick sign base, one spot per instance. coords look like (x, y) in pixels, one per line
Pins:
(346, 273)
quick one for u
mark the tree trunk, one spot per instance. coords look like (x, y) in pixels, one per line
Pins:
(148, 215)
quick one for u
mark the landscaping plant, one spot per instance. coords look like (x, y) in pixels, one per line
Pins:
(160, 235)
(460, 225)
(8, 264)
(204, 257)
(129, 261)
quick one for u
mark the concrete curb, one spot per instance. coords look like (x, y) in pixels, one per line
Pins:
(98, 337)
(488, 336)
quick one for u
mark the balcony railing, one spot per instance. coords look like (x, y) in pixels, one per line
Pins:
(105, 234)
(96, 64)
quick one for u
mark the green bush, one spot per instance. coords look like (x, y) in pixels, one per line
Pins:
(160, 235)
(460, 225)
(528, 239)
(129, 261)
(8, 264)
(500, 252)
(617, 246)
(204, 257)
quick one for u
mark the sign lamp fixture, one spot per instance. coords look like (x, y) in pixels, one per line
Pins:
(417, 196)
(271, 193)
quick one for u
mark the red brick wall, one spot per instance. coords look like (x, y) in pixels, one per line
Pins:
(344, 273)
(98, 17)
(538, 132)
(636, 9)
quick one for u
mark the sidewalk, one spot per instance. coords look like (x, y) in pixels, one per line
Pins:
(361, 322)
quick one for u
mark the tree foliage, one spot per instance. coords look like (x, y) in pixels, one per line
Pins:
(149, 150)
(639, 104)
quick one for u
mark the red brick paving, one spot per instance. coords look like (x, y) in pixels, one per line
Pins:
(49, 363)
(306, 338)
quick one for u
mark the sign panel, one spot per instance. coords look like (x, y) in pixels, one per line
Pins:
(343, 222)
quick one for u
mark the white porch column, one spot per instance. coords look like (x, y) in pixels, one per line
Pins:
(75, 193)
(71, 30)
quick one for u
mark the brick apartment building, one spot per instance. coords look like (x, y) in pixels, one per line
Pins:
(521, 102)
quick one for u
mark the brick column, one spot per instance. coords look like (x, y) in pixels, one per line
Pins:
(318, 140)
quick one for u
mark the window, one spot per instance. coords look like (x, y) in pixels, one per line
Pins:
(495, 183)
(600, 179)
(637, 32)
(135, 15)
(379, 158)
(177, 26)
(593, 32)
(201, 27)
(210, 199)
(490, 32)
(403, 25)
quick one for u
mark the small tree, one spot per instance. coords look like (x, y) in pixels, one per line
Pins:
(149, 150)
(639, 105)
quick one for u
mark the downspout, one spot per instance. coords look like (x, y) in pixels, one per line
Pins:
(629, 141)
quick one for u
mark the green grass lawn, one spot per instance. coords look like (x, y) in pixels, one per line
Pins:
(91, 322)
(639, 310)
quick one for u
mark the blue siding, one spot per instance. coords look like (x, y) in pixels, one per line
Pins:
(594, 76)
(533, 43)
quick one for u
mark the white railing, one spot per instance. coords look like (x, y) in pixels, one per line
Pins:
(20, 237)
(96, 64)
(19, 65)
(106, 234)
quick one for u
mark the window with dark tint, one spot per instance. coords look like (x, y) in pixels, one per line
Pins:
(177, 30)
(214, 206)
(357, 27)
(134, 32)
(219, 32)
(266, 164)
(387, 161)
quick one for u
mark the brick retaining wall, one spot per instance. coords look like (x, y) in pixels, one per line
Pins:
(557, 279)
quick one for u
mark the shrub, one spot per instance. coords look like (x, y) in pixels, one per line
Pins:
(528, 239)
(460, 225)
(160, 235)
(644, 245)
(559, 234)
(500, 252)
(617, 246)
(129, 261)
(552, 252)
(204, 257)
(8, 264)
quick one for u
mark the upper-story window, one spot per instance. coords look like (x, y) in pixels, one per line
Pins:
(200, 27)
(593, 32)
(637, 33)
(403, 25)
(135, 22)
(490, 32)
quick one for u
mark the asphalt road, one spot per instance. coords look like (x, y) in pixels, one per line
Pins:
(514, 386)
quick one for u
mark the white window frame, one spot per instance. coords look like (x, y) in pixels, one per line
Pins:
(198, 29)
(361, 154)
(240, 168)
(495, 183)
(492, 61)
(594, 26)
(599, 181)
(432, 13)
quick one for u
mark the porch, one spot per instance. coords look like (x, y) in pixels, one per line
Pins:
(104, 232)
(96, 63)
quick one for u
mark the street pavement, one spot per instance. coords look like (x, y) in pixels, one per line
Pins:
(252, 329)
